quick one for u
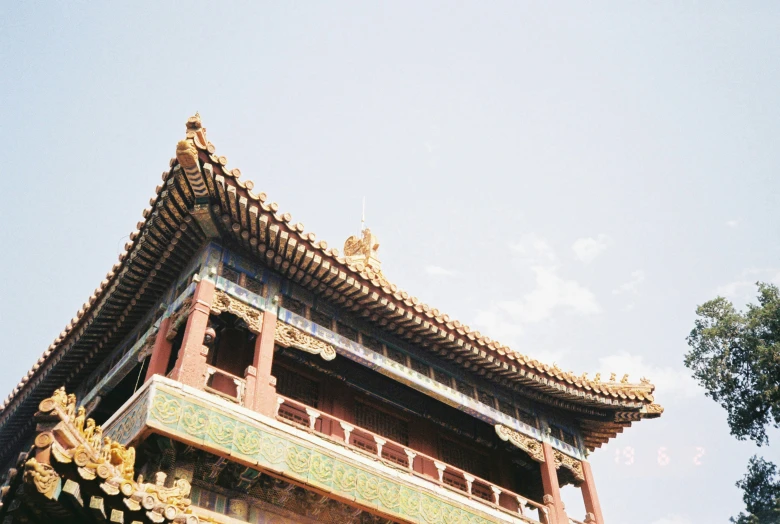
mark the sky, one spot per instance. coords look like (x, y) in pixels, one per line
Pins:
(571, 178)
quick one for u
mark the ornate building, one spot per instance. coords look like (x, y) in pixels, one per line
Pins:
(232, 368)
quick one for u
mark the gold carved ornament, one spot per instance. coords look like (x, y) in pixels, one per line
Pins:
(530, 445)
(363, 249)
(71, 438)
(289, 336)
(570, 463)
(225, 303)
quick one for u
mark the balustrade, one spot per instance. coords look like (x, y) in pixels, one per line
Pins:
(395, 454)
(225, 384)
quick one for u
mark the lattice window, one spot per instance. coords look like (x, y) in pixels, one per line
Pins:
(441, 376)
(322, 319)
(466, 389)
(487, 398)
(396, 355)
(568, 438)
(372, 343)
(464, 457)
(296, 306)
(346, 331)
(382, 423)
(255, 286)
(297, 387)
(230, 273)
(527, 418)
(420, 367)
(507, 408)
(562, 434)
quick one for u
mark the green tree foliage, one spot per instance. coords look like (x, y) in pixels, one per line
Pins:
(761, 488)
(735, 356)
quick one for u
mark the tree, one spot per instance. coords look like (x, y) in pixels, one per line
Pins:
(735, 356)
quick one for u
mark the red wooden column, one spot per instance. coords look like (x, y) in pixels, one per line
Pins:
(190, 367)
(161, 351)
(552, 490)
(262, 397)
(591, 498)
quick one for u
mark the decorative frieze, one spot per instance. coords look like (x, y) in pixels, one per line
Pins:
(289, 336)
(572, 464)
(530, 445)
(225, 303)
(188, 417)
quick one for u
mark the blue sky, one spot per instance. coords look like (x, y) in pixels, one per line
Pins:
(570, 178)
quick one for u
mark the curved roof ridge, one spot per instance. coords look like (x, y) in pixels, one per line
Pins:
(622, 388)
(551, 376)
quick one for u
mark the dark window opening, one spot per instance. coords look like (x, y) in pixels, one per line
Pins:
(507, 408)
(382, 423)
(487, 399)
(297, 387)
(441, 376)
(321, 319)
(372, 344)
(296, 306)
(466, 389)
(464, 458)
(396, 356)
(420, 367)
(233, 347)
(114, 399)
(527, 418)
(230, 273)
(255, 286)
(346, 331)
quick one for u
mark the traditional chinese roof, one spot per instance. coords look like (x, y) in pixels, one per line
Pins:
(74, 474)
(202, 198)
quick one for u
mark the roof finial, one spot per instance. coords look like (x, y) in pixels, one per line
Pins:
(363, 217)
(363, 248)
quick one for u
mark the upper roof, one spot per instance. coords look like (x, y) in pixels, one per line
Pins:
(198, 187)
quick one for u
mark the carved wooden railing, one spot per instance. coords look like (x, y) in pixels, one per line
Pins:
(416, 463)
(225, 384)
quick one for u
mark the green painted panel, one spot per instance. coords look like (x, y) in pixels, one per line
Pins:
(174, 412)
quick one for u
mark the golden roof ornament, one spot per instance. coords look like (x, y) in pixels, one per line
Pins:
(363, 249)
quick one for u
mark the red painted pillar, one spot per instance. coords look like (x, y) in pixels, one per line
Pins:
(161, 351)
(250, 380)
(190, 367)
(264, 394)
(552, 490)
(591, 498)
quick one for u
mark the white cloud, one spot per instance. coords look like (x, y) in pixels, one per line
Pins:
(534, 250)
(670, 382)
(588, 249)
(549, 293)
(732, 223)
(743, 289)
(440, 271)
(672, 519)
(632, 286)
